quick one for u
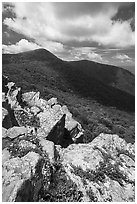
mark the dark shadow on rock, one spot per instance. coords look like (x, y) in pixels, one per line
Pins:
(59, 134)
(67, 140)
(9, 120)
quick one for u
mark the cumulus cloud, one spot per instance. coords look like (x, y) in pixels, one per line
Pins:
(24, 45)
(21, 46)
(66, 22)
(81, 53)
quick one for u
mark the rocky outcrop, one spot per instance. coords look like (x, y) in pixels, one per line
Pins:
(31, 128)
(44, 158)
(104, 170)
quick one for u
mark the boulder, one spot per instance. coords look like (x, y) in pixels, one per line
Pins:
(104, 170)
(48, 120)
(12, 98)
(31, 98)
(15, 172)
(16, 131)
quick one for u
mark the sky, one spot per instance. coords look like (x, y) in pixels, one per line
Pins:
(98, 31)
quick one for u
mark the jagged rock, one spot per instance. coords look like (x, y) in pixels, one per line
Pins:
(57, 108)
(10, 85)
(67, 112)
(48, 120)
(23, 144)
(16, 131)
(4, 132)
(75, 130)
(25, 118)
(49, 148)
(35, 110)
(71, 125)
(104, 170)
(15, 172)
(52, 101)
(41, 133)
(12, 97)
(31, 98)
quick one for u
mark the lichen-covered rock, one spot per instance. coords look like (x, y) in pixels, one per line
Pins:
(25, 118)
(15, 172)
(16, 131)
(12, 98)
(104, 170)
(49, 148)
(48, 120)
(24, 177)
(31, 98)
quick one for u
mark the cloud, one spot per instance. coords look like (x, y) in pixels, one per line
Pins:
(21, 46)
(119, 35)
(71, 22)
(95, 57)
(82, 53)
(122, 57)
(24, 45)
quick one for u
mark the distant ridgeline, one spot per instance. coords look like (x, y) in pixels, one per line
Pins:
(108, 85)
(44, 158)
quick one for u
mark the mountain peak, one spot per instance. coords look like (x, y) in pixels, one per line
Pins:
(40, 54)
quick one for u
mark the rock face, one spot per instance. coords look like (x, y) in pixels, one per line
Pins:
(104, 170)
(44, 158)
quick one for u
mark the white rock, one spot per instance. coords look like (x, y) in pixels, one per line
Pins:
(16, 131)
